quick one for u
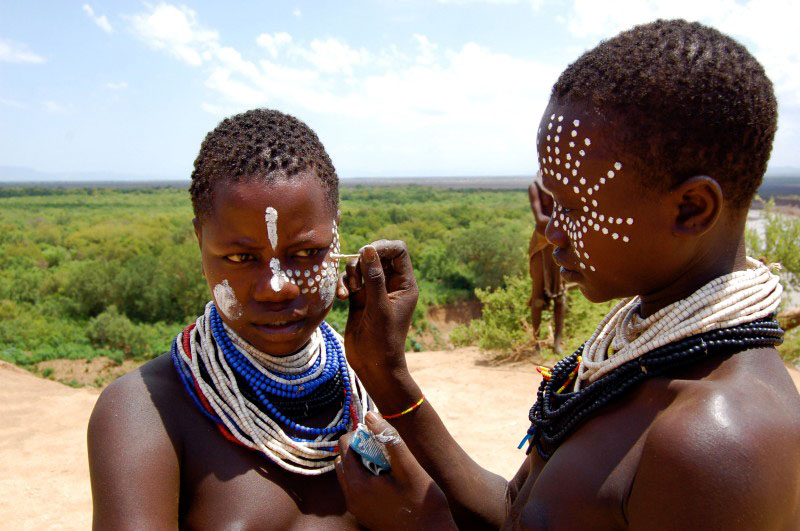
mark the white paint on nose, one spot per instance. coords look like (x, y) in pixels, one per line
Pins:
(276, 282)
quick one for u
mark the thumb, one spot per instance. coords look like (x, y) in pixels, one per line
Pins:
(374, 279)
(400, 457)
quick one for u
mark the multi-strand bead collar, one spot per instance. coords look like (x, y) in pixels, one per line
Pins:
(729, 314)
(258, 400)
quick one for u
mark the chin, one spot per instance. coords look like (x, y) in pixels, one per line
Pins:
(594, 296)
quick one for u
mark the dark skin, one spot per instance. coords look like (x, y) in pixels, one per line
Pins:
(713, 445)
(156, 462)
(542, 208)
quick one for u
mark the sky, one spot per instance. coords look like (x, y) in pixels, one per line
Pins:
(392, 88)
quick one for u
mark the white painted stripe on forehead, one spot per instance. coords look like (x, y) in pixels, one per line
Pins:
(271, 217)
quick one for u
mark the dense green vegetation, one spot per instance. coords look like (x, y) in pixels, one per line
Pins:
(116, 272)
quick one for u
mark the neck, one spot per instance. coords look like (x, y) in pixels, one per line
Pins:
(714, 261)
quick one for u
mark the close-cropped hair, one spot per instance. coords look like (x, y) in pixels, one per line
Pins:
(263, 145)
(685, 100)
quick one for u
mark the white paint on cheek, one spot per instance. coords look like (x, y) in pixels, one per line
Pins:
(226, 300)
(276, 282)
(271, 217)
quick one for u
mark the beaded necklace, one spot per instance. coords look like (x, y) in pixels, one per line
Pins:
(729, 314)
(246, 392)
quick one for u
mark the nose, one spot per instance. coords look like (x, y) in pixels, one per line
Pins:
(555, 232)
(272, 285)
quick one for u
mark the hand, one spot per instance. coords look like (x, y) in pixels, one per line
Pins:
(405, 498)
(383, 293)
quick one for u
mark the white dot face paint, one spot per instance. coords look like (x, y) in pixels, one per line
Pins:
(585, 186)
(271, 217)
(226, 301)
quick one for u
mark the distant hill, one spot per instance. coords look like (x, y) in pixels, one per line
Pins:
(25, 175)
(779, 180)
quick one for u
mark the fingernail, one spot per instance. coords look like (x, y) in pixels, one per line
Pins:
(370, 254)
(371, 417)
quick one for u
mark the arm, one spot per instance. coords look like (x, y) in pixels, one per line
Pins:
(380, 315)
(541, 205)
(133, 465)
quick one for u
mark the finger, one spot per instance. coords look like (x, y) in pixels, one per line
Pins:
(353, 276)
(374, 279)
(400, 457)
(341, 288)
(396, 260)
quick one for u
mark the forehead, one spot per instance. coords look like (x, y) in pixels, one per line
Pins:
(300, 201)
(577, 153)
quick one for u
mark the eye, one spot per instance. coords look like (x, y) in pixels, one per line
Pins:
(562, 208)
(307, 253)
(239, 258)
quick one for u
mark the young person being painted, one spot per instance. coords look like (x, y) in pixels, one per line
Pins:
(677, 413)
(238, 425)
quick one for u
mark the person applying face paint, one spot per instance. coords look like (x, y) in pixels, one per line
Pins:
(677, 412)
(238, 425)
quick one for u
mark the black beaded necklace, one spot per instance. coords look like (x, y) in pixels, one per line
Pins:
(556, 415)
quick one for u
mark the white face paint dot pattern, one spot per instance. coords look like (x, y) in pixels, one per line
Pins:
(577, 226)
(320, 278)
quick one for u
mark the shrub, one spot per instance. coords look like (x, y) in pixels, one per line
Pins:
(114, 331)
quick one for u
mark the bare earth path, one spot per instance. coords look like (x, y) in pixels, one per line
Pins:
(44, 475)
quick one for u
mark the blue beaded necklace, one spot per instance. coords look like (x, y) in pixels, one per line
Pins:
(257, 405)
(262, 386)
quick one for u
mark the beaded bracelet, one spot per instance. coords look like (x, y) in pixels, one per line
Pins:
(406, 411)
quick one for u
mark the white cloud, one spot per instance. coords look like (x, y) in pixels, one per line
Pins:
(332, 56)
(427, 50)
(273, 42)
(116, 86)
(471, 85)
(100, 20)
(12, 103)
(54, 106)
(428, 107)
(17, 52)
(464, 2)
(297, 13)
(767, 27)
(175, 29)
(535, 4)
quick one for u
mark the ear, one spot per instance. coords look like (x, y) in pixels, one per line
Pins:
(198, 231)
(698, 202)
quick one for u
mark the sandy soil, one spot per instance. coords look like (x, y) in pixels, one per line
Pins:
(44, 482)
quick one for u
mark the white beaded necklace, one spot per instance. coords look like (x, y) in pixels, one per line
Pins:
(729, 300)
(244, 419)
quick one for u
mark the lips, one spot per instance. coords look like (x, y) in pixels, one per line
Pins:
(280, 329)
(567, 271)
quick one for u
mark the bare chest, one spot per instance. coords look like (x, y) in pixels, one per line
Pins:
(225, 486)
(587, 481)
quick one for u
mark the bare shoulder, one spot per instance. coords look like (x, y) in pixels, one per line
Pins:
(724, 450)
(134, 445)
(141, 398)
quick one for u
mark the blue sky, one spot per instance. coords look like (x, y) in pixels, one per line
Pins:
(393, 88)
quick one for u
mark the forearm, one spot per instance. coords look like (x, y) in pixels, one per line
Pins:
(477, 497)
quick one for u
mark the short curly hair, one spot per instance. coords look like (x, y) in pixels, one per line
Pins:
(691, 101)
(261, 144)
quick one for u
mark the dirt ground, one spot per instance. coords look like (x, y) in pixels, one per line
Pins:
(44, 482)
